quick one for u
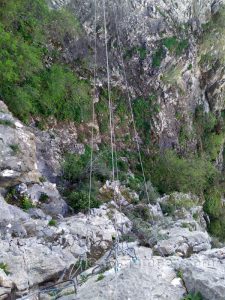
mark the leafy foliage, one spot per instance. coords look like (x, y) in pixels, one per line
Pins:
(52, 223)
(213, 204)
(79, 201)
(144, 110)
(174, 45)
(210, 131)
(169, 173)
(26, 203)
(4, 267)
(157, 57)
(29, 85)
(195, 296)
(75, 166)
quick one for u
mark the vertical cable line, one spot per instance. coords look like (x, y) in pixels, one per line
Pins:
(130, 105)
(112, 137)
(109, 94)
(131, 111)
(93, 110)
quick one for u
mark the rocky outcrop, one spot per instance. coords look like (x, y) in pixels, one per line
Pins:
(153, 277)
(17, 151)
(205, 273)
(46, 196)
(149, 278)
(35, 252)
(183, 230)
(175, 80)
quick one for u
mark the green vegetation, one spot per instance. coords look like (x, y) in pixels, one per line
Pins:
(175, 203)
(30, 85)
(210, 131)
(144, 110)
(214, 208)
(7, 123)
(213, 205)
(15, 148)
(100, 277)
(195, 296)
(140, 50)
(79, 201)
(43, 197)
(26, 203)
(82, 265)
(212, 44)
(169, 173)
(22, 201)
(102, 109)
(180, 274)
(175, 46)
(157, 57)
(173, 76)
(52, 223)
(75, 167)
(5, 268)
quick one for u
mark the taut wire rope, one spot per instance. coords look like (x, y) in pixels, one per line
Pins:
(112, 135)
(130, 106)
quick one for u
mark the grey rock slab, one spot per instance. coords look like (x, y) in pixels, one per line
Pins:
(151, 278)
(205, 273)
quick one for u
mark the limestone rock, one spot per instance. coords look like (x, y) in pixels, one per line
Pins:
(53, 205)
(17, 151)
(149, 278)
(204, 273)
(4, 280)
(36, 252)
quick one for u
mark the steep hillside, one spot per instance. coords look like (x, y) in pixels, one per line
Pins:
(166, 65)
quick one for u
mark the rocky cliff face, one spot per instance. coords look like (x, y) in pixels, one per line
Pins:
(173, 52)
(160, 46)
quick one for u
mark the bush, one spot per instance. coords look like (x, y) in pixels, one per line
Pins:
(157, 57)
(195, 296)
(15, 148)
(43, 197)
(213, 203)
(170, 173)
(26, 203)
(52, 223)
(79, 201)
(7, 123)
(144, 110)
(5, 268)
(174, 45)
(28, 86)
(75, 167)
(176, 202)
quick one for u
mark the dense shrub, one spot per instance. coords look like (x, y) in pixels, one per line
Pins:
(169, 173)
(193, 296)
(210, 131)
(213, 204)
(157, 57)
(79, 201)
(144, 110)
(28, 85)
(175, 45)
(75, 166)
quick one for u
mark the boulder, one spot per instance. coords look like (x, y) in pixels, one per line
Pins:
(182, 241)
(204, 273)
(17, 151)
(148, 278)
(35, 252)
(52, 203)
